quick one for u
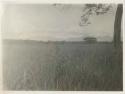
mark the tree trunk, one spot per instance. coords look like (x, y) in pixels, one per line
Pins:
(117, 25)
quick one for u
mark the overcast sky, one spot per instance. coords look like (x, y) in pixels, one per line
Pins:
(47, 22)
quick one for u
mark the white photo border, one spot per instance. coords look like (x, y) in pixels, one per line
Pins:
(63, 2)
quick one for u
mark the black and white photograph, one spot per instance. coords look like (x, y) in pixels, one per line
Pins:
(62, 47)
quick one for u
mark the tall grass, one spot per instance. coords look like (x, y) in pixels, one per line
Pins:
(61, 66)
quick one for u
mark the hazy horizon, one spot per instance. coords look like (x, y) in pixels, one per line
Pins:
(56, 23)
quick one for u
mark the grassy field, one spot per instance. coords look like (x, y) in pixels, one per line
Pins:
(30, 65)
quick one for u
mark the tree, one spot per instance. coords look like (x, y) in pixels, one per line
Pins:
(99, 9)
(117, 25)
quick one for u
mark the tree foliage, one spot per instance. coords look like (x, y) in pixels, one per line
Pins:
(93, 9)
